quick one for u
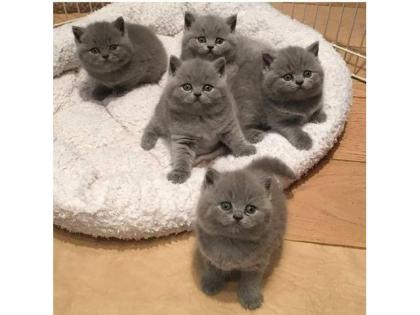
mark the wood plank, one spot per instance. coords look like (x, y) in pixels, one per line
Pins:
(157, 277)
(328, 205)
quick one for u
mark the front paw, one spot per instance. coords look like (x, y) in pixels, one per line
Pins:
(250, 300)
(254, 135)
(148, 141)
(178, 176)
(100, 92)
(245, 150)
(211, 286)
(319, 117)
(302, 141)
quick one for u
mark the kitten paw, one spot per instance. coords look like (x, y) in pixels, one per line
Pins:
(254, 135)
(319, 117)
(302, 141)
(211, 286)
(99, 93)
(245, 151)
(251, 301)
(148, 141)
(178, 176)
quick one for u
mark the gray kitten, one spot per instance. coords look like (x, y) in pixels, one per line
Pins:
(280, 90)
(197, 114)
(240, 222)
(209, 37)
(119, 56)
(292, 92)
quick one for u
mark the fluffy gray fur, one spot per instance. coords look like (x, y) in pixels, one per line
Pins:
(272, 92)
(240, 222)
(209, 37)
(292, 92)
(197, 114)
(119, 56)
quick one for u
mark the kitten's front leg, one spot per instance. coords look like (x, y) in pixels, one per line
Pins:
(212, 279)
(249, 289)
(318, 117)
(100, 92)
(234, 139)
(296, 136)
(183, 155)
(150, 135)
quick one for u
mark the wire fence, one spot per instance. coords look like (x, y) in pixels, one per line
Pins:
(342, 24)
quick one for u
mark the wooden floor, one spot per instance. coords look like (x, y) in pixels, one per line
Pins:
(322, 270)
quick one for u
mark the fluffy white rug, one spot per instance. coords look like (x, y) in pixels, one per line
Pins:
(105, 184)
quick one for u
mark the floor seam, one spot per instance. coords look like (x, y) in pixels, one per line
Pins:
(326, 244)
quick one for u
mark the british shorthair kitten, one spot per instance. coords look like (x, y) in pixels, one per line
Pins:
(197, 114)
(240, 223)
(119, 56)
(292, 88)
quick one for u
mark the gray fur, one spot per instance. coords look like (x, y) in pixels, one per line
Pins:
(203, 32)
(196, 122)
(232, 240)
(119, 56)
(267, 101)
(287, 104)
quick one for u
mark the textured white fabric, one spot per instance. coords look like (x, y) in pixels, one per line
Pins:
(105, 184)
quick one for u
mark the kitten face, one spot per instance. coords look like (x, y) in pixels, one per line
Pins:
(209, 37)
(234, 204)
(103, 46)
(294, 73)
(196, 84)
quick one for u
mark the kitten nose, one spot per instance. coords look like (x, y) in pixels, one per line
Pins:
(299, 82)
(237, 217)
(210, 47)
(197, 95)
(105, 56)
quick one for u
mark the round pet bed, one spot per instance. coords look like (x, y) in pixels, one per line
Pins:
(104, 183)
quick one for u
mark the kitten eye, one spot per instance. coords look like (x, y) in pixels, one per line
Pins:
(225, 205)
(113, 47)
(250, 209)
(187, 87)
(288, 77)
(207, 88)
(219, 41)
(201, 39)
(307, 73)
(94, 51)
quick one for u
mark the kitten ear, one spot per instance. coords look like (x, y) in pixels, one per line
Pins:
(188, 19)
(78, 32)
(119, 24)
(231, 21)
(174, 64)
(267, 60)
(313, 48)
(211, 177)
(220, 65)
